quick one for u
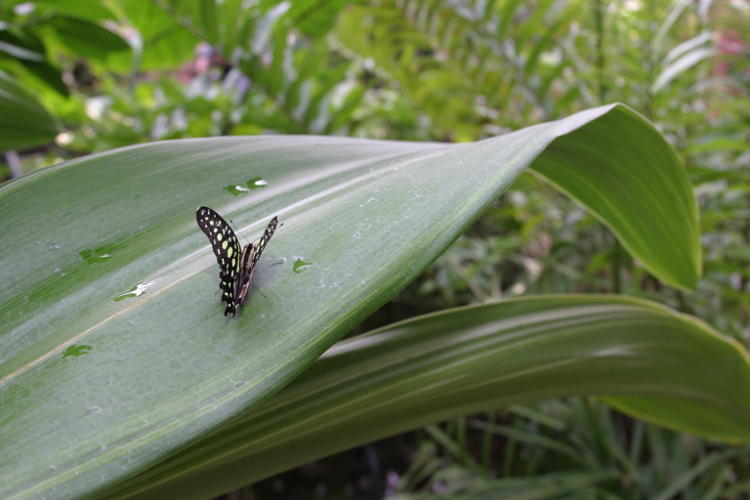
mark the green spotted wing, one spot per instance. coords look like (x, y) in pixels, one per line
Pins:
(228, 252)
(236, 265)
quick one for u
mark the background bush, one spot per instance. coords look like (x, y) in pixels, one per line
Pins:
(80, 77)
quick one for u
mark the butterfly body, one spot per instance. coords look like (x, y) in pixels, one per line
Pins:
(236, 264)
(244, 279)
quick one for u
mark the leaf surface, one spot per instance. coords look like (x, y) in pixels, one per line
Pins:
(114, 349)
(660, 365)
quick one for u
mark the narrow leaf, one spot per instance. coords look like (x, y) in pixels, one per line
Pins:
(443, 365)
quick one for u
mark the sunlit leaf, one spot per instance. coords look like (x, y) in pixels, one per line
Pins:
(104, 252)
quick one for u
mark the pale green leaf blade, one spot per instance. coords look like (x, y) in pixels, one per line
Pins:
(463, 360)
(660, 225)
(128, 381)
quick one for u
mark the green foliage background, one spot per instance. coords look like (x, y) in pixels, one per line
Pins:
(87, 76)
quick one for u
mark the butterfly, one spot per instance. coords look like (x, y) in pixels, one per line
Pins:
(236, 264)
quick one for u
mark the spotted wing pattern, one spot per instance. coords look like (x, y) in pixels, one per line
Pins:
(270, 229)
(236, 265)
(228, 251)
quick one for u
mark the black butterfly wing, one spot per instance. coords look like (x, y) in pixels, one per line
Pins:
(250, 258)
(228, 252)
(270, 229)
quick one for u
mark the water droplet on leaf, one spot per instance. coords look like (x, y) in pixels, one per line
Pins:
(136, 291)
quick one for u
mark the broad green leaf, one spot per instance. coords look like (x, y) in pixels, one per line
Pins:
(115, 352)
(85, 38)
(165, 42)
(459, 361)
(48, 75)
(21, 48)
(92, 10)
(23, 121)
(605, 180)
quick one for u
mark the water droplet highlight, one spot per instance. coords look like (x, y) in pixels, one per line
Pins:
(256, 182)
(136, 291)
(300, 264)
(237, 189)
(252, 183)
